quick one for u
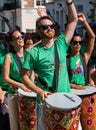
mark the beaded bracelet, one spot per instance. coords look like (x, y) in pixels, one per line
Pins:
(70, 3)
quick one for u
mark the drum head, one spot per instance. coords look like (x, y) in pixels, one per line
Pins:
(89, 90)
(28, 94)
(63, 101)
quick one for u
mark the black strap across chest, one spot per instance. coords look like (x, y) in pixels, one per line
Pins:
(18, 61)
(56, 73)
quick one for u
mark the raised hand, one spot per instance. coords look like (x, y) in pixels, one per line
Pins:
(41, 12)
(81, 17)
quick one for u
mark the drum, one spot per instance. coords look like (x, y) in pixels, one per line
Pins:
(27, 113)
(88, 107)
(62, 111)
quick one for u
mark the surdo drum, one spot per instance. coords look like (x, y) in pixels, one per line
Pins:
(27, 113)
(62, 111)
(88, 107)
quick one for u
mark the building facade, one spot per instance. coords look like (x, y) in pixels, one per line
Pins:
(23, 13)
(58, 11)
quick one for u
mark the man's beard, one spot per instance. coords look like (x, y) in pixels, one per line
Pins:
(51, 35)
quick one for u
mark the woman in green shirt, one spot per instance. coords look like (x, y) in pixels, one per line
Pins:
(12, 75)
(4, 114)
(78, 79)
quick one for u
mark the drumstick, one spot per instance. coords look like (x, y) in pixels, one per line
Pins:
(69, 98)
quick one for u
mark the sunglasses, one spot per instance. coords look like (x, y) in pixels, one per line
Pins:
(76, 42)
(18, 37)
(44, 27)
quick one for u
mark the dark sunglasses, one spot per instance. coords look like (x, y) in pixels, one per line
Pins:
(76, 42)
(44, 27)
(18, 37)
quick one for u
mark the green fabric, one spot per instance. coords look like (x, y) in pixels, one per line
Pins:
(77, 71)
(14, 72)
(3, 52)
(41, 60)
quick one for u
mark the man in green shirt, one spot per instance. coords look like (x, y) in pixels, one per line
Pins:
(41, 58)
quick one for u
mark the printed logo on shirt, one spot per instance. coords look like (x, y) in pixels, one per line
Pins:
(79, 68)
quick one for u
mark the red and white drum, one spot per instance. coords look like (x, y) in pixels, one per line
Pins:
(62, 111)
(88, 107)
(27, 111)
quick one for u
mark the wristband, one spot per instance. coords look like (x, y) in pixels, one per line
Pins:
(70, 3)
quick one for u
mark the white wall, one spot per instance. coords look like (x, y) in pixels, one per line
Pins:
(29, 19)
(26, 18)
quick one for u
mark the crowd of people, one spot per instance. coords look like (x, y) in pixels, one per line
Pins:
(27, 61)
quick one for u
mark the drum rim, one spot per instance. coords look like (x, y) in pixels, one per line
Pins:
(64, 109)
(20, 90)
(82, 94)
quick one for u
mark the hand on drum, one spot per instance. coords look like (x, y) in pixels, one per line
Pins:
(75, 86)
(22, 86)
(44, 94)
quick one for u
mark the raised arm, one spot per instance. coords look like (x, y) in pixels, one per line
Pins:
(72, 20)
(91, 36)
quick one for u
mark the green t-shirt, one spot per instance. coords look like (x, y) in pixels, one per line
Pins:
(77, 70)
(3, 52)
(14, 72)
(41, 60)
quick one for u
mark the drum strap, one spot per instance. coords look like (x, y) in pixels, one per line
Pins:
(45, 85)
(56, 73)
(17, 59)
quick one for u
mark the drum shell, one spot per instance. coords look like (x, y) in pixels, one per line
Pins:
(62, 119)
(88, 107)
(27, 112)
(88, 112)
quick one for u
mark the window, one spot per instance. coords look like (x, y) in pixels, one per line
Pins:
(30, 30)
(80, 8)
(40, 2)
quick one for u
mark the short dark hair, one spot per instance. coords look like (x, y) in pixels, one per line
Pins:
(42, 18)
(75, 34)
